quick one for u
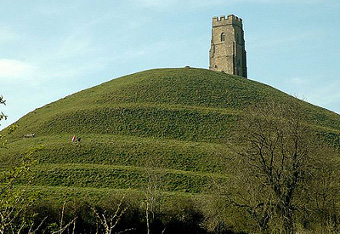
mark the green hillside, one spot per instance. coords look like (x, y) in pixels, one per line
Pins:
(177, 123)
(183, 104)
(179, 117)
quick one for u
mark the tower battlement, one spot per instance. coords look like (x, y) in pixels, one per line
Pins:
(231, 19)
(227, 52)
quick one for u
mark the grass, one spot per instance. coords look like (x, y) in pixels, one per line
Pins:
(162, 103)
(123, 177)
(110, 161)
(179, 119)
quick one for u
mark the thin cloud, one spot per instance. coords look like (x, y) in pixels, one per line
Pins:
(14, 70)
(7, 35)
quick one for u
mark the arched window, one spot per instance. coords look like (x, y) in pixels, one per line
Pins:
(223, 36)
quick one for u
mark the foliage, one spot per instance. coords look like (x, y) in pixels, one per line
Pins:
(14, 202)
(2, 102)
(2, 116)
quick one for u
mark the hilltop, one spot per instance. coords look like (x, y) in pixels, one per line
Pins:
(181, 102)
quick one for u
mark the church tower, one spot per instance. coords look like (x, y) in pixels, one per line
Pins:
(228, 52)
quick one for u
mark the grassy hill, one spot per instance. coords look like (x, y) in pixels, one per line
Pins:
(178, 123)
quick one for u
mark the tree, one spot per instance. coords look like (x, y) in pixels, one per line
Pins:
(2, 117)
(108, 222)
(13, 202)
(320, 193)
(152, 192)
(2, 102)
(278, 151)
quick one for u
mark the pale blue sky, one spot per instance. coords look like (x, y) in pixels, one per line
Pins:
(50, 49)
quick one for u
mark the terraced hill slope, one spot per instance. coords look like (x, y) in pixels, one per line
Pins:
(174, 121)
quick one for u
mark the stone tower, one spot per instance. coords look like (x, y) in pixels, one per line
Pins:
(228, 52)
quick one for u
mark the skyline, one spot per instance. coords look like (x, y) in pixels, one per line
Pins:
(51, 49)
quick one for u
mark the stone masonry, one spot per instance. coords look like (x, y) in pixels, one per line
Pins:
(227, 52)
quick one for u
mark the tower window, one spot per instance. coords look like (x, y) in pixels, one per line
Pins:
(223, 36)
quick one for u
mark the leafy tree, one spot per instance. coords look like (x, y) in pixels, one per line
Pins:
(14, 202)
(2, 117)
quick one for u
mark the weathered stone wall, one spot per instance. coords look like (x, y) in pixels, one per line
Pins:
(227, 52)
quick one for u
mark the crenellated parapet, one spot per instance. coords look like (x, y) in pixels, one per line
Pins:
(230, 20)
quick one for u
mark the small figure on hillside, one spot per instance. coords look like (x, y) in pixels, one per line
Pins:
(73, 138)
(29, 135)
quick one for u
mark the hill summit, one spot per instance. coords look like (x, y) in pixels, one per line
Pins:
(186, 104)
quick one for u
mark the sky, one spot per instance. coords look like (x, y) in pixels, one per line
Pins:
(52, 48)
